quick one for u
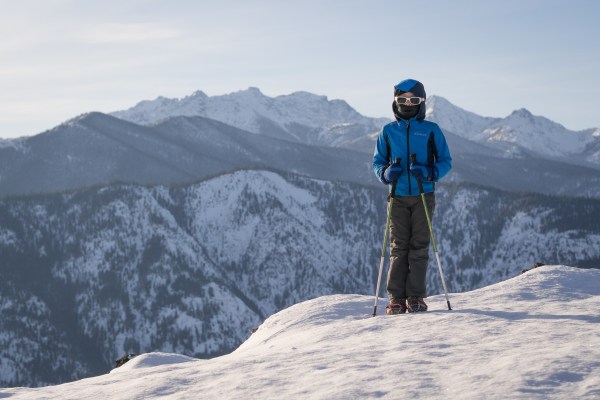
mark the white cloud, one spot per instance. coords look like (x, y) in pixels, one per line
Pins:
(128, 33)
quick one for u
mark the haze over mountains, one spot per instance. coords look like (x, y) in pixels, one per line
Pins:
(182, 224)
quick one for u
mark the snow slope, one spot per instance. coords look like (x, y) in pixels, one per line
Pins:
(532, 336)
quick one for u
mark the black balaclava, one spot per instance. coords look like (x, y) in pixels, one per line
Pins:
(406, 112)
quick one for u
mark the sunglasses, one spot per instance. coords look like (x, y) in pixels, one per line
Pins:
(415, 101)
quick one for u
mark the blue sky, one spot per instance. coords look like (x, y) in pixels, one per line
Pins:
(61, 58)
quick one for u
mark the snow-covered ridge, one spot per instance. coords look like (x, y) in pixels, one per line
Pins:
(521, 127)
(314, 119)
(533, 336)
(18, 144)
(300, 116)
(242, 108)
(455, 119)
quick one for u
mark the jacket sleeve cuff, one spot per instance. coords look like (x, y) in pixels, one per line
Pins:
(382, 175)
(433, 174)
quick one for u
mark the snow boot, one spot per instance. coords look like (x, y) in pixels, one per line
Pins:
(416, 304)
(396, 306)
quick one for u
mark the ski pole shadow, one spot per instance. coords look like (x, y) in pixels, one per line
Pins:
(523, 315)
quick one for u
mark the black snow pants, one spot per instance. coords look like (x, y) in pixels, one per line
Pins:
(409, 247)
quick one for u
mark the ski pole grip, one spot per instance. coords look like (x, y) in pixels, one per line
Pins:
(414, 160)
(393, 191)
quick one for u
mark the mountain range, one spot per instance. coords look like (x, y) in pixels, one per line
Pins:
(313, 119)
(170, 141)
(300, 116)
(181, 232)
(98, 149)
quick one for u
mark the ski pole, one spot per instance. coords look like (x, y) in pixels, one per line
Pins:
(437, 257)
(385, 237)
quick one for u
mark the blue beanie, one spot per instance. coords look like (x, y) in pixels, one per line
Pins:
(410, 85)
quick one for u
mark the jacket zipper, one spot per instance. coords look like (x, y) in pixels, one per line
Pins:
(408, 157)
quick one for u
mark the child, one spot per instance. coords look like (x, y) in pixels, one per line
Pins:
(409, 232)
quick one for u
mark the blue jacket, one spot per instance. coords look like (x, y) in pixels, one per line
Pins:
(402, 138)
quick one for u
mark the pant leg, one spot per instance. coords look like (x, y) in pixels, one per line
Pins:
(418, 251)
(400, 222)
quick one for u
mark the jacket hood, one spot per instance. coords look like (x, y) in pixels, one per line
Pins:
(417, 88)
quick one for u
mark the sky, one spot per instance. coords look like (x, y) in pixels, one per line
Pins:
(62, 58)
(531, 337)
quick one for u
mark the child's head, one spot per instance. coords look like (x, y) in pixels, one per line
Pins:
(406, 109)
(410, 85)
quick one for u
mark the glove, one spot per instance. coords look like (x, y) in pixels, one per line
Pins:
(423, 172)
(393, 172)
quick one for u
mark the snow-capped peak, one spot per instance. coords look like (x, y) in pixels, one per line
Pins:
(299, 116)
(522, 112)
(315, 119)
(455, 119)
(245, 109)
(521, 128)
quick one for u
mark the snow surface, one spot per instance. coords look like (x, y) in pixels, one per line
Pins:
(530, 337)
